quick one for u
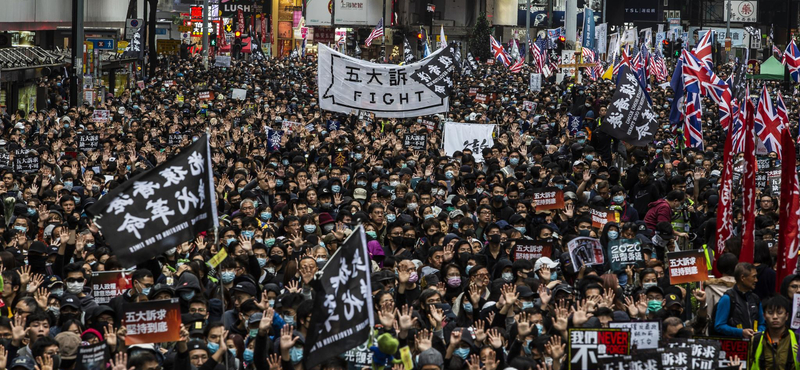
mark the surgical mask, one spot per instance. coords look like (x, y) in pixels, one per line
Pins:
(336, 188)
(248, 355)
(466, 269)
(228, 276)
(372, 234)
(653, 305)
(270, 270)
(513, 161)
(455, 225)
(449, 175)
(358, 156)
(391, 217)
(272, 303)
(253, 332)
(288, 319)
(95, 189)
(31, 211)
(187, 296)
(232, 351)
(248, 234)
(411, 206)
(296, 355)
(278, 182)
(21, 229)
(394, 183)
(521, 229)
(230, 240)
(613, 235)
(146, 291)
(57, 292)
(540, 328)
(527, 347)
(618, 199)
(75, 288)
(413, 277)
(54, 310)
(468, 307)
(374, 186)
(454, 282)
(462, 352)
(262, 262)
(213, 347)
(507, 277)
(77, 200)
(309, 228)
(68, 185)
(526, 305)
(265, 216)
(361, 183)
(589, 157)
(560, 186)
(269, 242)
(430, 215)
(646, 286)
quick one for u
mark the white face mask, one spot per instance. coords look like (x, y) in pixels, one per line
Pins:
(75, 288)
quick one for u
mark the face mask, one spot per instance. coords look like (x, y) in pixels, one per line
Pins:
(560, 186)
(513, 161)
(262, 262)
(269, 242)
(653, 306)
(449, 175)
(391, 217)
(507, 277)
(618, 199)
(540, 328)
(213, 347)
(230, 240)
(374, 186)
(77, 200)
(646, 286)
(95, 189)
(336, 188)
(613, 235)
(521, 229)
(146, 291)
(589, 157)
(253, 332)
(171, 251)
(187, 296)
(240, 190)
(57, 292)
(358, 156)
(232, 351)
(527, 347)
(265, 216)
(296, 355)
(361, 183)
(288, 319)
(581, 141)
(228, 276)
(248, 355)
(394, 183)
(309, 228)
(54, 310)
(278, 182)
(454, 282)
(248, 234)
(468, 307)
(75, 288)
(428, 216)
(68, 185)
(21, 229)
(462, 352)
(413, 277)
(466, 269)
(494, 239)
(372, 234)
(527, 305)
(411, 206)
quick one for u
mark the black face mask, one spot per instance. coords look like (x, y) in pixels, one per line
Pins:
(494, 239)
(397, 240)
(409, 242)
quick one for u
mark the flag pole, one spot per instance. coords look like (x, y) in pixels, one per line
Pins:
(385, 54)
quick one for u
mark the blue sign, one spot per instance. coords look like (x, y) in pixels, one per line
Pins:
(161, 31)
(103, 44)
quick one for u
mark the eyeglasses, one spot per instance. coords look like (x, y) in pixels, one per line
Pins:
(74, 280)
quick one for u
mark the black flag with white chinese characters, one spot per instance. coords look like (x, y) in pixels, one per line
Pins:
(408, 55)
(436, 74)
(161, 208)
(342, 316)
(630, 117)
(135, 47)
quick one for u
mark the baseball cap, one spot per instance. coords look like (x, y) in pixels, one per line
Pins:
(245, 287)
(360, 194)
(578, 163)
(255, 318)
(52, 281)
(196, 344)
(524, 291)
(673, 299)
(544, 261)
(68, 343)
(70, 300)
(24, 362)
(429, 356)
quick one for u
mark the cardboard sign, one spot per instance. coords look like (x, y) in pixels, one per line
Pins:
(218, 258)
(109, 284)
(687, 266)
(644, 334)
(761, 180)
(624, 252)
(585, 251)
(205, 95)
(536, 82)
(88, 141)
(729, 347)
(589, 347)
(415, 141)
(101, 115)
(549, 198)
(796, 311)
(222, 61)
(175, 139)
(531, 250)
(152, 321)
(774, 182)
(529, 106)
(169, 83)
(601, 216)
(26, 164)
(239, 94)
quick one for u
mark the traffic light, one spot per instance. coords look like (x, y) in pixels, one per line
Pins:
(667, 47)
(561, 44)
(238, 34)
(678, 47)
(212, 40)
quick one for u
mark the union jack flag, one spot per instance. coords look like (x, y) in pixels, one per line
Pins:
(783, 113)
(791, 58)
(693, 128)
(776, 52)
(377, 32)
(498, 52)
(737, 132)
(698, 77)
(517, 66)
(625, 61)
(703, 49)
(767, 123)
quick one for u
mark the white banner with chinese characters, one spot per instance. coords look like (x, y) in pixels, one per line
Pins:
(742, 11)
(475, 137)
(348, 84)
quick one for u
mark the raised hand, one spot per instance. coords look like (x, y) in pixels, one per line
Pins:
(436, 317)
(491, 361)
(480, 331)
(274, 362)
(287, 339)
(554, 348)
(41, 297)
(544, 295)
(110, 335)
(581, 315)
(523, 325)
(265, 324)
(474, 362)
(44, 362)
(293, 287)
(386, 315)
(631, 306)
(474, 295)
(495, 338)
(424, 340)
(405, 318)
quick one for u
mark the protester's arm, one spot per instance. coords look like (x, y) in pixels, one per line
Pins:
(721, 321)
(264, 326)
(182, 351)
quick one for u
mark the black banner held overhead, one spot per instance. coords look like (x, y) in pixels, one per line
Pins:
(436, 74)
(88, 141)
(630, 117)
(135, 47)
(415, 141)
(160, 208)
(342, 316)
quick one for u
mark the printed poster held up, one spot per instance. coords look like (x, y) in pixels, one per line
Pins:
(585, 251)
(460, 136)
(152, 321)
(589, 347)
(687, 266)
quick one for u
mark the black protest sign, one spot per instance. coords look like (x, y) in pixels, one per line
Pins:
(589, 347)
(437, 73)
(703, 353)
(763, 162)
(644, 334)
(774, 182)
(26, 164)
(643, 360)
(415, 141)
(624, 252)
(88, 141)
(730, 347)
(531, 250)
(5, 158)
(160, 208)
(630, 117)
(761, 180)
(135, 47)
(342, 318)
(340, 158)
(92, 357)
(174, 139)
(676, 358)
